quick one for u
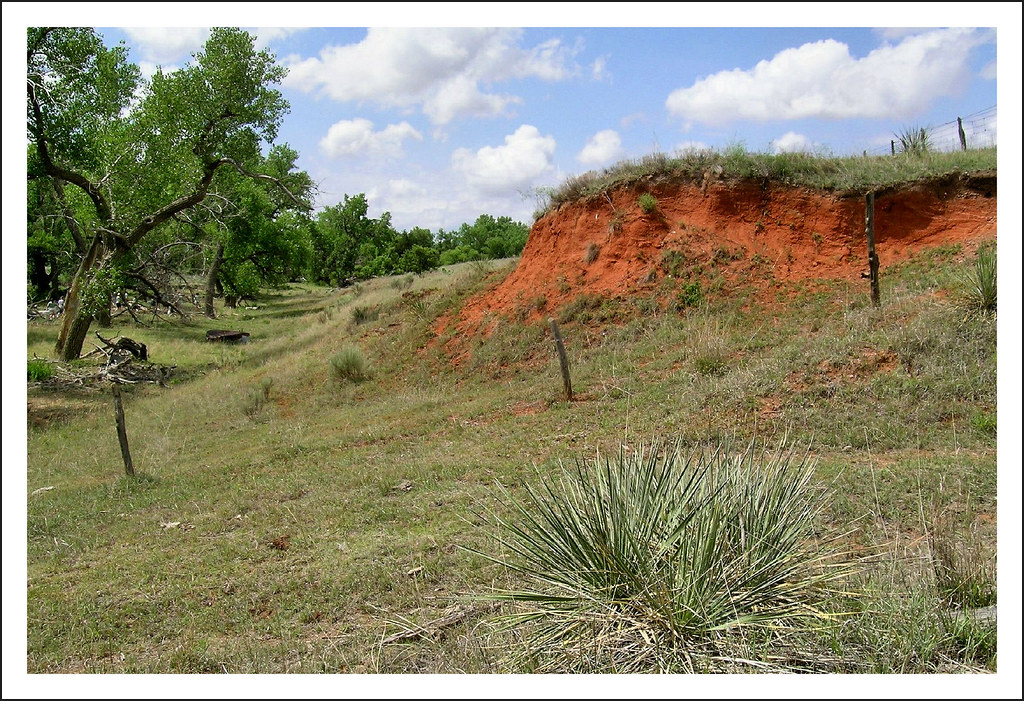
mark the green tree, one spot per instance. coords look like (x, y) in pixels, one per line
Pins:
(141, 153)
(347, 244)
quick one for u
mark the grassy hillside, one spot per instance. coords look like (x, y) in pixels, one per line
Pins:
(288, 519)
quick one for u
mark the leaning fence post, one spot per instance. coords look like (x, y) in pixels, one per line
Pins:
(872, 256)
(963, 136)
(122, 434)
(563, 359)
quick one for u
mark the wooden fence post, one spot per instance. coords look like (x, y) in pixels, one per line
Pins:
(122, 434)
(563, 359)
(872, 256)
(963, 136)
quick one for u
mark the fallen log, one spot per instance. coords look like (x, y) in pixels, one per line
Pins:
(227, 336)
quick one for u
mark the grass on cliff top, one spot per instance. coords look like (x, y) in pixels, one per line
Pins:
(856, 174)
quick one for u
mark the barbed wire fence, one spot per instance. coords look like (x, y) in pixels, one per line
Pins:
(979, 131)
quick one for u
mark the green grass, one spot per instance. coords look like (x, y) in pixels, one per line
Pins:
(820, 171)
(175, 572)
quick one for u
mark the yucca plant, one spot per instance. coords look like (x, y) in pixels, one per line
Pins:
(980, 282)
(648, 560)
(915, 141)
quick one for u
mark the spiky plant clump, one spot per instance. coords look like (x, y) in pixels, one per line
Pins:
(915, 141)
(980, 282)
(648, 560)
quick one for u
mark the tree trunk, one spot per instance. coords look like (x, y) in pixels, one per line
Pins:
(75, 324)
(103, 316)
(77, 330)
(213, 281)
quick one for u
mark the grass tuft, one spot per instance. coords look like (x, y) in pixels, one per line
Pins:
(349, 365)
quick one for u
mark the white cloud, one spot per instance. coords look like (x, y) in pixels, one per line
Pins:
(822, 80)
(356, 137)
(519, 164)
(438, 70)
(163, 45)
(603, 147)
(791, 142)
(691, 147)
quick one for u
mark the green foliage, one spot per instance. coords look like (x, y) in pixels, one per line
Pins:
(980, 283)
(648, 203)
(362, 314)
(101, 288)
(914, 141)
(39, 370)
(692, 295)
(349, 365)
(663, 548)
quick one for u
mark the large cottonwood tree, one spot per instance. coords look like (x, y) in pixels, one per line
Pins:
(140, 152)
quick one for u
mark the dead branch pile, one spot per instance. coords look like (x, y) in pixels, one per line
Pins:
(126, 363)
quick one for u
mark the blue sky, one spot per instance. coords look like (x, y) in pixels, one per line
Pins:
(438, 123)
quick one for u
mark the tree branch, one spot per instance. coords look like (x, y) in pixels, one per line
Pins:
(269, 178)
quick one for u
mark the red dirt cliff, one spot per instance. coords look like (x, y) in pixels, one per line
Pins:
(761, 233)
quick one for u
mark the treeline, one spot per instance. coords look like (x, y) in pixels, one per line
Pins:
(258, 239)
(346, 245)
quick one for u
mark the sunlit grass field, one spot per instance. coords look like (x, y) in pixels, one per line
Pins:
(288, 518)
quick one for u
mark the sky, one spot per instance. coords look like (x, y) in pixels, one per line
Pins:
(438, 124)
(445, 111)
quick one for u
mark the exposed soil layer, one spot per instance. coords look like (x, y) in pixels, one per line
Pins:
(739, 233)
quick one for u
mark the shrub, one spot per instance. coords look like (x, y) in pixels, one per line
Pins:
(980, 283)
(593, 250)
(914, 141)
(257, 397)
(660, 550)
(39, 370)
(690, 296)
(648, 203)
(363, 314)
(349, 365)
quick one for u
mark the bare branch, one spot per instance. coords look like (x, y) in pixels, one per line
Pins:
(268, 178)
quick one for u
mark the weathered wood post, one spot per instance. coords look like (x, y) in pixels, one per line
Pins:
(122, 434)
(563, 359)
(892, 146)
(872, 256)
(963, 136)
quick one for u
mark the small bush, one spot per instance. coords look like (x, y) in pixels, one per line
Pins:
(711, 364)
(362, 314)
(915, 141)
(662, 550)
(39, 370)
(593, 250)
(257, 397)
(690, 296)
(349, 365)
(648, 203)
(980, 283)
